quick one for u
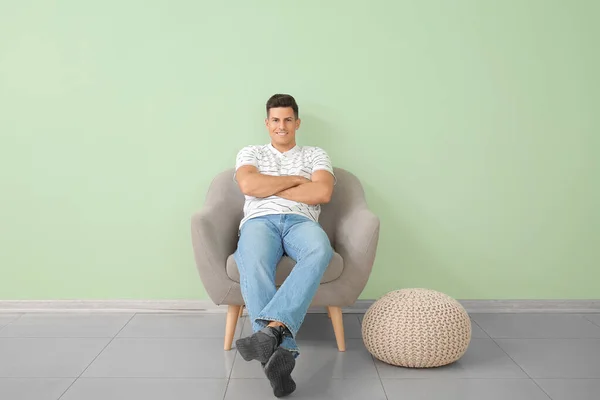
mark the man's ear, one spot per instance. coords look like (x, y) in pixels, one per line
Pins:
(267, 122)
(298, 121)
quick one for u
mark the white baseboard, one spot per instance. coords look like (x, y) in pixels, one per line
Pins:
(207, 306)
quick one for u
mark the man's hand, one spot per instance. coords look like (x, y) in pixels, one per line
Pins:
(253, 183)
(313, 192)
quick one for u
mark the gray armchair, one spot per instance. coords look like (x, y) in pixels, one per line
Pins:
(352, 228)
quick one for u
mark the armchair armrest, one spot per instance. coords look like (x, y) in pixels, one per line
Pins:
(214, 238)
(357, 236)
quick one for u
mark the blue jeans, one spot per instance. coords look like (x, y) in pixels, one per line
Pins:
(263, 241)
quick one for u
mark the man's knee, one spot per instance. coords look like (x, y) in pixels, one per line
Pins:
(321, 250)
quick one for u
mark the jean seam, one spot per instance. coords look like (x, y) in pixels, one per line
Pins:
(296, 249)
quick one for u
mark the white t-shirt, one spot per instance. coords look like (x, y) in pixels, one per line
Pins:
(300, 160)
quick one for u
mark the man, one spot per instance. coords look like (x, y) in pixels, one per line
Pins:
(284, 185)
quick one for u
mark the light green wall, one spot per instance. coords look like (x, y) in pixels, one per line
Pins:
(473, 124)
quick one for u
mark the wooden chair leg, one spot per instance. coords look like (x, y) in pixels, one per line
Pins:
(233, 313)
(241, 311)
(338, 326)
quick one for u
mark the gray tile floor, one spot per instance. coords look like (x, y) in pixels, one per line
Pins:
(100, 356)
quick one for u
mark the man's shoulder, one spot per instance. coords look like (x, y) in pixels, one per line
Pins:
(313, 149)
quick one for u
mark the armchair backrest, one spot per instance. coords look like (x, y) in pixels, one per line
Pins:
(348, 192)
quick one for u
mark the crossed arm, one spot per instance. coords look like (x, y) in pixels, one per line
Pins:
(317, 190)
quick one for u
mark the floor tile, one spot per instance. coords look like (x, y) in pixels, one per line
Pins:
(463, 389)
(534, 326)
(146, 389)
(67, 325)
(7, 318)
(309, 388)
(33, 388)
(555, 358)
(177, 326)
(483, 359)
(320, 359)
(571, 389)
(319, 327)
(47, 357)
(243, 369)
(180, 355)
(163, 358)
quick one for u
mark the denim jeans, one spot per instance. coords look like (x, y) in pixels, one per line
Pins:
(262, 242)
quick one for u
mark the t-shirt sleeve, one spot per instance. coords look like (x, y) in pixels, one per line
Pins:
(321, 161)
(246, 156)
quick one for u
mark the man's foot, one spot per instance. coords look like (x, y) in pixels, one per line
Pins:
(261, 345)
(279, 372)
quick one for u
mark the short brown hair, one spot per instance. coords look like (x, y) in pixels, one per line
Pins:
(282, 100)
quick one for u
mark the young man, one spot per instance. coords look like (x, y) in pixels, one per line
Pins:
(284, 185)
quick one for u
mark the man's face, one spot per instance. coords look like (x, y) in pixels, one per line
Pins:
(282, 125)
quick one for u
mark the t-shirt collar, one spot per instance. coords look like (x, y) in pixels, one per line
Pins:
(289, 152)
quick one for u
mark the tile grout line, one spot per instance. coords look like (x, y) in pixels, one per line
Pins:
(314, 340)
(583, 316)
(11, 322)
(121, 337)
(230, 373)
(483, 330)
(234, 360)
(265, 379)
(379, 376)
(587, 319)
(518, 365)
(372, 359)
(97, 355)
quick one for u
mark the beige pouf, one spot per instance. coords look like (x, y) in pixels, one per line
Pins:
(417, 328)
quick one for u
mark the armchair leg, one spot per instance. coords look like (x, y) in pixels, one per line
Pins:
(338, 326)
(233, 313)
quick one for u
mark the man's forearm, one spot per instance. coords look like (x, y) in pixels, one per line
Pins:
(309, 193)
(261, 185)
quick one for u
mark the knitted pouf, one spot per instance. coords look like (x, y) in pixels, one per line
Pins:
(417, 328)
